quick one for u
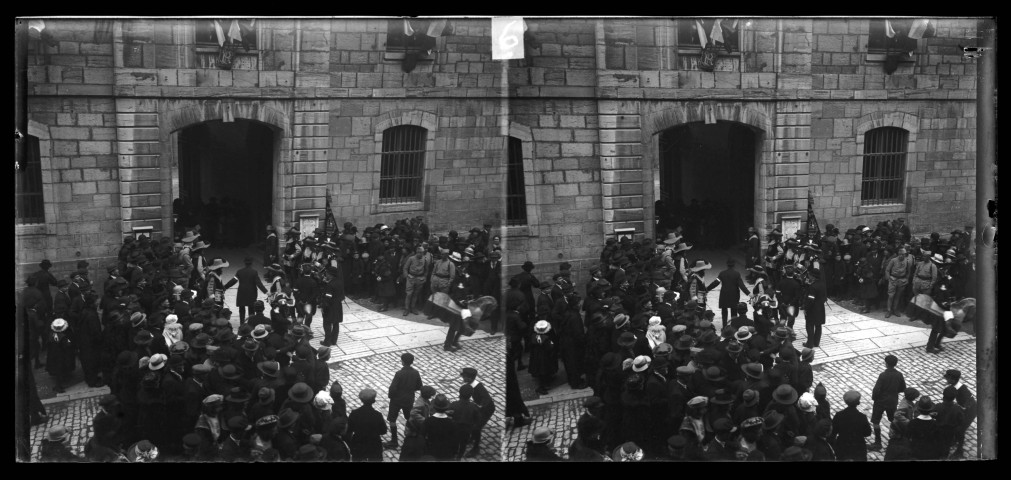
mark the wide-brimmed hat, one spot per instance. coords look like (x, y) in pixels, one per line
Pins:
(742, 334)
(260, 331)
(721, 396)
(626, 339)
(200, 245)
(59, 325)
(301, 393)
(157, 361)
(455, 257)
(542, 435)
(201, 340)
(58, 433)
(143, 337)
(287, 417)
(542, 327)
(681, 247)
(250, 345)
(714, 374)
(189, 237)
(440, 403)
(925, 404)
(701, 265)
(230, 372)
(218, 263)
(785, 395)
(753, 370)
(683, 343)
(772, 419)
(640, 363)
(807, 354)
(269, 368)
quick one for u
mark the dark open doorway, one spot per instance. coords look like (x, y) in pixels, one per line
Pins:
(707, 182)
(226, 181)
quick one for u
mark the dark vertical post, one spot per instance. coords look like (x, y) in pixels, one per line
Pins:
(986, 307)
(21, 405)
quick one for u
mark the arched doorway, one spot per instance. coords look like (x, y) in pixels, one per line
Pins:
(707, 177)
(226, 181)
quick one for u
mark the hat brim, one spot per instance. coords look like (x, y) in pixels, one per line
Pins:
(786, 401)
(703, 267)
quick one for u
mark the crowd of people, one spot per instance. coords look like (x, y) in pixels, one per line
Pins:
(187, 385)
(676, 380)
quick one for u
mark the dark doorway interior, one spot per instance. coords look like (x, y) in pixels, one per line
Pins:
(707, 182)
(226, 181)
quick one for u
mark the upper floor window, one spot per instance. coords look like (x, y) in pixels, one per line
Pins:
(897, 36)
(722, 33)
(402, 169)
(29, 204)
(884, 170)
(516, 196)
(221, 32)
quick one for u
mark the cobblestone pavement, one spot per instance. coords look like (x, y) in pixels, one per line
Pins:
(367, 354)
(846, 334)
(922, 371)
(438, 368)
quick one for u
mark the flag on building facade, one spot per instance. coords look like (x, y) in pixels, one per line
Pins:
(329, 222)
(813, 231)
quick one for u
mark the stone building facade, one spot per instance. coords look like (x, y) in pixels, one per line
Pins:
(598, 93)
(588, 105)
(108, 100)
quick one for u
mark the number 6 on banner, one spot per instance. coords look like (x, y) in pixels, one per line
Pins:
(507, 38)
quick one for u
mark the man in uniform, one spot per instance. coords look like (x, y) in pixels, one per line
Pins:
(415, 269)
(897, 272)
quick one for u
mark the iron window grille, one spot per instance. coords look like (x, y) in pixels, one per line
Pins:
(29, 203)
(402, 169)
(516, 196)
(884, 170)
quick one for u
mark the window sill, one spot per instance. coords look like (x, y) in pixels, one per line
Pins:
(399, 207)
(398, 55)
(881, 209)
(31, 229)
(880, 56)
(216, 49)
(698, 51)
(516, 231)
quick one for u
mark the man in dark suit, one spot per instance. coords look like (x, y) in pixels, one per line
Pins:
(42, 280)
(249, 280)
(849, 429)
(967, 401)
(333, 309)
(731, 281)
(270, 248)
(814, 309)
(752, 253)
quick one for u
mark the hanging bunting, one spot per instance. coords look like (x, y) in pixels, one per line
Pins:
(435, 28)
(889, 31)
(702, 33)
(716, 34)
(234, 32)
(408, 31)
(220, 32)
(918, 28)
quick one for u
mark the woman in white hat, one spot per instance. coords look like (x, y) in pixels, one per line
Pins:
(543, 361)
(60, 359)
(697, 288)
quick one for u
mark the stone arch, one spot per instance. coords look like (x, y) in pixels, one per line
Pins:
(185, 116)
(688, 112)
(418, 118)
(757, 116)
(905, 121)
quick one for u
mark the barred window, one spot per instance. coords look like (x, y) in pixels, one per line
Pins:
(516, 196)
(403, 164)
(28, 200)
(884, 166)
